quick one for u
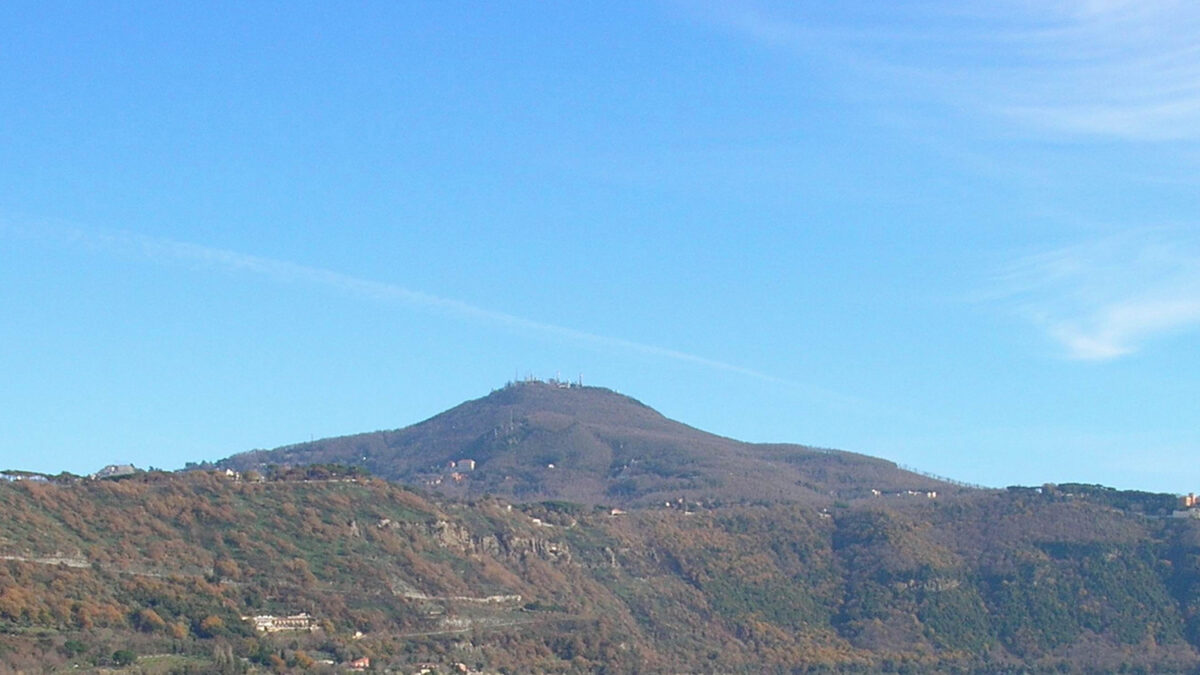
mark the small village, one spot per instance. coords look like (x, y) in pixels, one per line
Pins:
(267, 623)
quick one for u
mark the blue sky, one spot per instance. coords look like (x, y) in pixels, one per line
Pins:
(962, 236)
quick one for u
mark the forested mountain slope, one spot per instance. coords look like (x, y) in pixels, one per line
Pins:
(537, 440)
(1069, 579)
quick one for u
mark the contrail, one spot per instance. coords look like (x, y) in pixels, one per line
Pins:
(168, 250)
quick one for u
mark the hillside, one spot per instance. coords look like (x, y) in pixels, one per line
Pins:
(162, 568)
(534, 441)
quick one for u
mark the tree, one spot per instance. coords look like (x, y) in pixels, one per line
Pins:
(211, 626)
(148, 620)
(226, 568)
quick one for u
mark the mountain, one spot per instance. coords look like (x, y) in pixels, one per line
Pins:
(536, 440)
(725, 557)
(171, 573)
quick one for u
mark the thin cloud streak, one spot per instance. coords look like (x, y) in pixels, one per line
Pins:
(1105, 299)
(282, 271)
(1128, 70)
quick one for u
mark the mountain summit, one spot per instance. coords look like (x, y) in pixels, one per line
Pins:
(537, 440)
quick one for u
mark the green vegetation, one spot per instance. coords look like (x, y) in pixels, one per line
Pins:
(156, 572)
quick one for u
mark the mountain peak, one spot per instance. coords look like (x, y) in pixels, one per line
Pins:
(536, 440)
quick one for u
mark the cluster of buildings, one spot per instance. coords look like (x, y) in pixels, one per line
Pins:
(928, 494)
(427, 668)
(555, 381)
(458, 471)
(1189, 506)
(14, 476)
(110, 471)
(462, 465)
(267, 623)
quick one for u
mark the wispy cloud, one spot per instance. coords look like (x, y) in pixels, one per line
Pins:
(1109, 68)
(1116, 68)
(169, 251)
(1105, 299)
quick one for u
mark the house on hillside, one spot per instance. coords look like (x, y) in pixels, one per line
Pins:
(115, 470)
(360, 663)
(267, 623)
(1189, 507)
